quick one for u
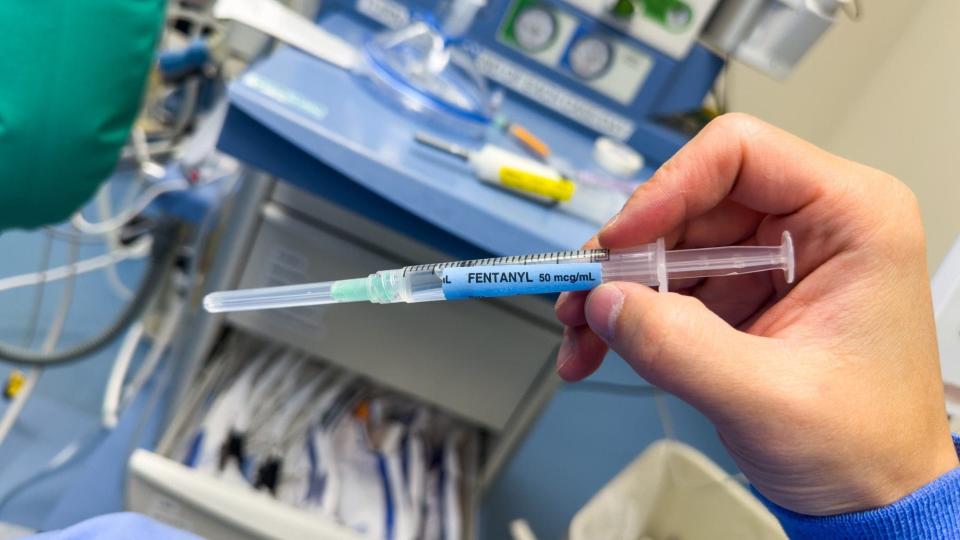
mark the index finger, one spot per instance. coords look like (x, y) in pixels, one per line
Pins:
(736, 156)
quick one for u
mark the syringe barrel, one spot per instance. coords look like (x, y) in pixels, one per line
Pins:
(733, 260)
(507, 276)
(651, 265)
(643, 264)
(429, 282)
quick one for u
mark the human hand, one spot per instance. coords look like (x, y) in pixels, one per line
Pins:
(826, 393)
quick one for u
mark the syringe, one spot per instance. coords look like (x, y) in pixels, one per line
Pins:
(532, 179)
(650, 264)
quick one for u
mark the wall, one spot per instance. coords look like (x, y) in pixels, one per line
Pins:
(883, 91)
(907, 121)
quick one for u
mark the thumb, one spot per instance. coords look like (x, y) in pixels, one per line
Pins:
(675, 342)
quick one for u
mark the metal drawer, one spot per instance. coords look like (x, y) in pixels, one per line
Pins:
(476, 359)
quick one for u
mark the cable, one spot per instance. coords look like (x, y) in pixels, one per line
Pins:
(138, 143)
(34, 318)
(121, 219)
(66, 299)
(81, 447)
(163, 255)
(111, 394)
(116, 397)
(113, 400)
(188, 107)
(167, 329)
(155, 149)
(105, 211)
(30, 380)
(152, 360)
(138, 250)
(61, 234)
(12, 413)
(164, 382)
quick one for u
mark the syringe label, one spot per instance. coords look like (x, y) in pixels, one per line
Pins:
(509, 280)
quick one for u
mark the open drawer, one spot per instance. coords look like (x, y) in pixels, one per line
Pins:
(272, 443)
(478, 359)
(484, 364)
(215, 509)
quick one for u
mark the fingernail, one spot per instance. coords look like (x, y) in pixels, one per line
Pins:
(603, 309)
(568, 348)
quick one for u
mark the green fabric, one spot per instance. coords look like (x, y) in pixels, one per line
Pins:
(72, 75)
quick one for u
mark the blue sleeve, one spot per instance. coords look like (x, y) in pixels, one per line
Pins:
(933, 511)
(117, 526)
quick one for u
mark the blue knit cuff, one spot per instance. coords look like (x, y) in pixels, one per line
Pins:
(933, 511)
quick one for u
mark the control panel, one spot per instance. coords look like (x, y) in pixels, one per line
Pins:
(619, 68)
(586, 53)
(671, 26)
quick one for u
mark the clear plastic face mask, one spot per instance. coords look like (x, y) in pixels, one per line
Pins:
(419, 68)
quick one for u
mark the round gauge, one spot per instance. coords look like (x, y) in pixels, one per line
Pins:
(534, 28)
(590, 57)
(679, 16)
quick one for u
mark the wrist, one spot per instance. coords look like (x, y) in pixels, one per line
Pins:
(930, 511)
(918, 469)
(863, 474)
